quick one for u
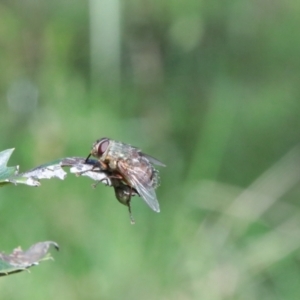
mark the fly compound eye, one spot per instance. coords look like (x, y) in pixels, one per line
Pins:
(102, 146)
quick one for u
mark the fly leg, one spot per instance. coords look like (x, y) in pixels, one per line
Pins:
(94, 185)
(107, 183)
(123, 194)
(132, 221)
(99, 165)
(128, 204)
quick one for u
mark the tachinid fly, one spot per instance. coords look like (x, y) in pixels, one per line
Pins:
(132, 171)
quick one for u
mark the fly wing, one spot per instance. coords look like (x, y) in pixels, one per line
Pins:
(138, 177)
(147, 193)
(152, 160)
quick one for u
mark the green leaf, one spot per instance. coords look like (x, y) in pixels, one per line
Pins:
(11, 175)
(6, 172)
(20, 260)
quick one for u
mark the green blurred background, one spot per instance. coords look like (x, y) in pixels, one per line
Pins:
(211, 88)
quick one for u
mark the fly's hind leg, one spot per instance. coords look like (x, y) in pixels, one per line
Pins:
(123, 194)
(128, 203)
(132, 221)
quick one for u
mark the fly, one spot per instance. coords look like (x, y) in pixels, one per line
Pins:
(132, 171)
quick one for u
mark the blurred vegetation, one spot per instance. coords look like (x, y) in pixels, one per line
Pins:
(211, 88)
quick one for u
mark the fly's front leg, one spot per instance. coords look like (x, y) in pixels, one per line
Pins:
(98, 164)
